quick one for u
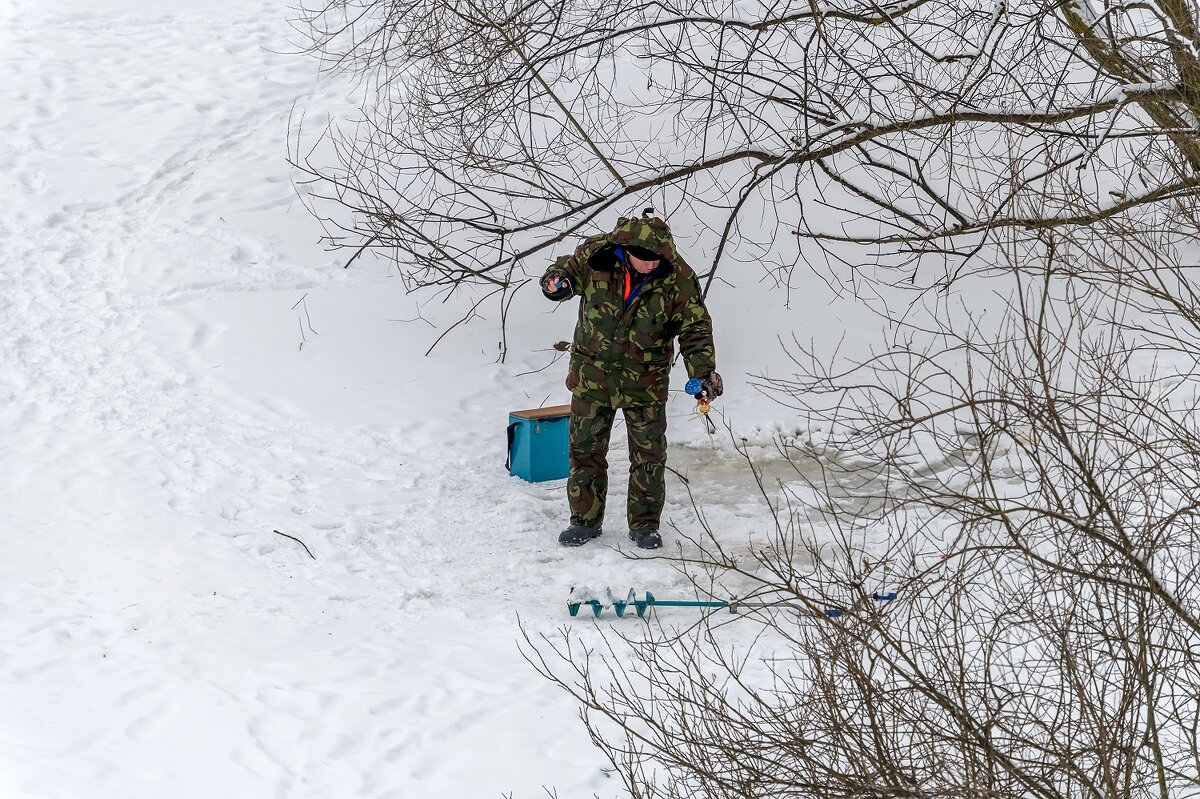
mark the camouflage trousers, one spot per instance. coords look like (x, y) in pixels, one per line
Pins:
(587, 485)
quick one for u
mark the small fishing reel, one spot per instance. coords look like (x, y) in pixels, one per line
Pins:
(695, 388)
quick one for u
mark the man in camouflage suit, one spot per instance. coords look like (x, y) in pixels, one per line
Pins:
(636, 296)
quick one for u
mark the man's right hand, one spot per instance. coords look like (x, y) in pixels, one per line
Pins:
(556, 287)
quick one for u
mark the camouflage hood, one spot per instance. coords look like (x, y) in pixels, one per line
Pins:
(647, 232)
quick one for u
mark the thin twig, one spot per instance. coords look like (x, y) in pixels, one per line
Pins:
(298, 541)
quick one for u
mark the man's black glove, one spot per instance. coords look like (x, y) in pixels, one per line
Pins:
(712, 385)
(556, 287)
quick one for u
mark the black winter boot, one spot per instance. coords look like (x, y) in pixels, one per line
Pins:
(646, 539)
(577, 535)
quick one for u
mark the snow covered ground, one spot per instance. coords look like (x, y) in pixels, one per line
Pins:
(184, 372)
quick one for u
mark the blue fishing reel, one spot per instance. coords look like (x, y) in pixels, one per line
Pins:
(695, 388)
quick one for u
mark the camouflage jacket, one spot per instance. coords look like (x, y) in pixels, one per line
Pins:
(622, 356)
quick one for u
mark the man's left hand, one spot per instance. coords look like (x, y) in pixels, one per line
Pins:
(712, 385)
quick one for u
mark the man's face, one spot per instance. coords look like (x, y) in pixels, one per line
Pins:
(641, 265)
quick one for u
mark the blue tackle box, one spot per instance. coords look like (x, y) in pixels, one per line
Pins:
(537, 443)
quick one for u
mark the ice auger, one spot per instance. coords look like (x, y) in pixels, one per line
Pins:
(580, 597)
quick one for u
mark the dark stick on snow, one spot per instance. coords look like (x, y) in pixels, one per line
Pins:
(298, 541)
